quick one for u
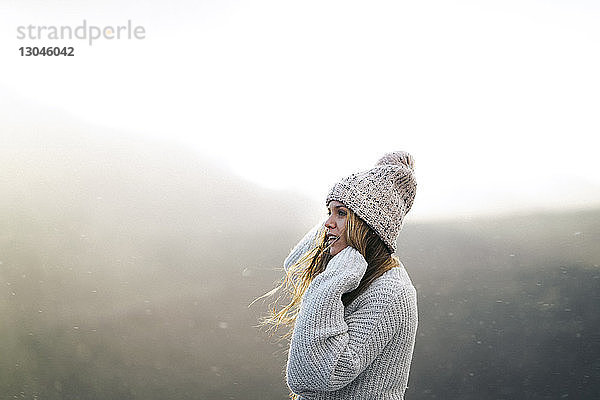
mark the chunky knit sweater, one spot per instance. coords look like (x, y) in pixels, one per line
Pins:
(362, 351)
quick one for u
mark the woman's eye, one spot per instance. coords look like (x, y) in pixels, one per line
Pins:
(342, 213)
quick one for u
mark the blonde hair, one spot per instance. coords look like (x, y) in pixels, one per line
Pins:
(379, 258)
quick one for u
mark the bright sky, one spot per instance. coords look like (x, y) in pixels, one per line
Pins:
(498, 101)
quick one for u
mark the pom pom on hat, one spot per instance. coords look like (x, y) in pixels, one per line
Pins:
(398, 158)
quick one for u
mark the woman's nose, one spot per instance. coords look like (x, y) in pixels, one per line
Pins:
(330, 222)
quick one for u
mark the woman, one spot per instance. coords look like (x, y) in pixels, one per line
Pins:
(353, 307)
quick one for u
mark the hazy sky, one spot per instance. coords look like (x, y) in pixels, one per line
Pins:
(497, 101)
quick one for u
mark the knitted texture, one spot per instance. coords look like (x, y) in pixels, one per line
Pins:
(380, 196)
(362, 351)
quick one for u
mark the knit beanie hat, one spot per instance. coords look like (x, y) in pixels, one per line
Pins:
(380, 196)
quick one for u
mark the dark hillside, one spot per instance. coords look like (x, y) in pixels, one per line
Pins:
(128, 268)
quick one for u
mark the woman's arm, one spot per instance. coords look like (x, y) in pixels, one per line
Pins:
(307, 243)
(328, 352)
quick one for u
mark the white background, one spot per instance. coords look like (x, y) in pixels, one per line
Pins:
(497, 101)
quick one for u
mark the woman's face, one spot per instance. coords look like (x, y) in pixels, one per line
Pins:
(336, 227)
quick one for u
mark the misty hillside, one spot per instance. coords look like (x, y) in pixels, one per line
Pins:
(508, 307)
(128, 268)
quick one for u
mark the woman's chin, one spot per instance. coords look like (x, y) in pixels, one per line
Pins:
(335, 249)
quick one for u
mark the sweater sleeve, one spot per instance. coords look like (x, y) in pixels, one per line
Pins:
(328, 352)
(306, 244)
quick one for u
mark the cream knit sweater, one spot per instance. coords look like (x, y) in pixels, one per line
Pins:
(362, 351)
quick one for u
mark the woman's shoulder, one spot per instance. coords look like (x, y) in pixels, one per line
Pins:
(394, 278)
(393, 286)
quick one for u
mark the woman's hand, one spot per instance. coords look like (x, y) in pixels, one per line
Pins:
(348, 265)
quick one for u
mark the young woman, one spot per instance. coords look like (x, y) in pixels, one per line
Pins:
(353, 311)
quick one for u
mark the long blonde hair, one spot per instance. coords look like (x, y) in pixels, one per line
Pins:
(299, 275)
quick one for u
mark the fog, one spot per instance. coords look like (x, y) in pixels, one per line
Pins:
(497, 101)
(128, 268)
